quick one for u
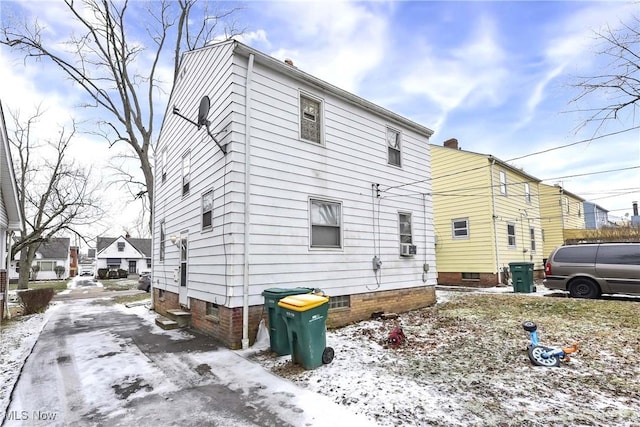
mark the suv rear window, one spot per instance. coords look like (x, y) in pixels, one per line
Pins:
(576, 254)
(619, 254)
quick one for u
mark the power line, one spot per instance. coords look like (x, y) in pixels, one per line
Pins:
(517, 158)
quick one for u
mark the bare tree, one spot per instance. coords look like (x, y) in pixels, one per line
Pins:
(54, 194)
(617, 88)
(112, 64)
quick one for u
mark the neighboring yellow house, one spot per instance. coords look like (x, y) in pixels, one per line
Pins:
(486, 215)
(560, 211)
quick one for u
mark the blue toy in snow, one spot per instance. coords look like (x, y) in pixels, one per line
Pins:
(545, 356)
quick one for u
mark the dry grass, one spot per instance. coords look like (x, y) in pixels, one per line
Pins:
(465, 363)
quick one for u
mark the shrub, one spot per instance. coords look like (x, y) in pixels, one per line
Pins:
(123, 274)
(112, 274)
(59, 270)
(102, 273)
(35, 269)
(35, 300)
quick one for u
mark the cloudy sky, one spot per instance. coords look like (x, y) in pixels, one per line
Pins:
(495, 75)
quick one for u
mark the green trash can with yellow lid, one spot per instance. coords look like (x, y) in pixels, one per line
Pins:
(306, 319)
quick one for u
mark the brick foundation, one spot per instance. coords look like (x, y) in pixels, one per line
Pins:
(227, 327)
(486, 280)
(396, 301)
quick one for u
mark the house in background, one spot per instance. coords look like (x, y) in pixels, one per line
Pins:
(52, 254)
(10, 217)
(595, 216)
(123, 252)
(487, 215)
(313, 187)
(560, 210)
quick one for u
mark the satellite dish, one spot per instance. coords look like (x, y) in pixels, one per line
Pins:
(203, 112)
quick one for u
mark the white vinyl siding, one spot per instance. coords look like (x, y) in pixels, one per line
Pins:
(285, 175)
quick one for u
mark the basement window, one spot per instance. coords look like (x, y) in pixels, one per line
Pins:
(470, 276)
(213, 311)
(343, 301)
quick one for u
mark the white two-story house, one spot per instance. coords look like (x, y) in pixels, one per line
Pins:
(268, 177)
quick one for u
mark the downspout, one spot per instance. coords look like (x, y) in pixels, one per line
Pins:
(495, 225)
(5, 299)
(425, 266)
(247, 202)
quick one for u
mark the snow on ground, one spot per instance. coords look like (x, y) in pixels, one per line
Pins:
(457, 369)
(452, 371)
(17, 338)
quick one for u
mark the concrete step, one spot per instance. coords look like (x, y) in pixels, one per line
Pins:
(165, 323)
(183, 318)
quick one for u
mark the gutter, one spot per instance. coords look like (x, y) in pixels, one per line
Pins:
(247, 203)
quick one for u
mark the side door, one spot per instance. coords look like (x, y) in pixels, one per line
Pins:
(619, 267)
(184, 267)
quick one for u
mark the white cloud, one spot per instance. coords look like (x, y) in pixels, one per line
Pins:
(338, 41)
(471, 74)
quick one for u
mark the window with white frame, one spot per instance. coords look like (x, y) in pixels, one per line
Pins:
(325, 224)
(503, 182)
(46, 265)
(566, 204)
(207, 209)
(393, 147)
(511, 235)
(532, 233)
(186, 172)
(163, 165)
(162, 240)
(120, 246)
(406, 235)
(527, 193)
(310, 119)
(460, 228)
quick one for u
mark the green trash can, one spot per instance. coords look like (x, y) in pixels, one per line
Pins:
(278, 340)
(522, 276)
(306, 319)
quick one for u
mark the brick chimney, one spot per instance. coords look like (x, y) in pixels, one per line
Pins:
(451, 143)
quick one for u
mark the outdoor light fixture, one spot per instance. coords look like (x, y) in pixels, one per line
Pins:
(175, 240)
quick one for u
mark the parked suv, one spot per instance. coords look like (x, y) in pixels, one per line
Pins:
(588, 270)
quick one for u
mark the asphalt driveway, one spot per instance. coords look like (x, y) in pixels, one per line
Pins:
(98, 363)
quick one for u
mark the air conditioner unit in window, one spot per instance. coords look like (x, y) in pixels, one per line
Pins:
(407, 249)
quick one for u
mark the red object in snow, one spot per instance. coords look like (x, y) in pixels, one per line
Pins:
(397, 337)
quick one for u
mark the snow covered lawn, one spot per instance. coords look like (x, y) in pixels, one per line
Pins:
(465, 363)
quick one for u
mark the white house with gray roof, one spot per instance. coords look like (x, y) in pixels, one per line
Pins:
(52, 253)
(268, 177)
(123, 252)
